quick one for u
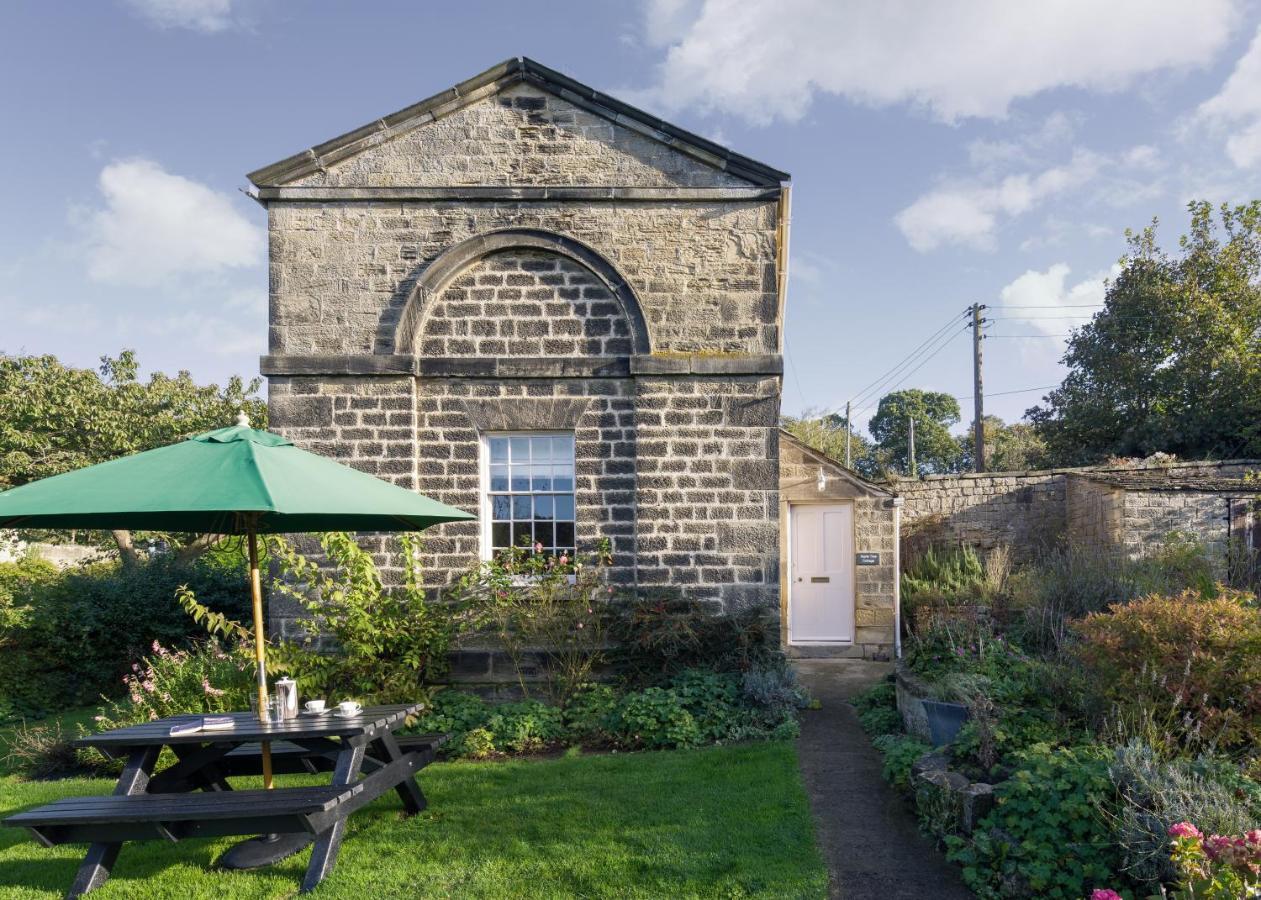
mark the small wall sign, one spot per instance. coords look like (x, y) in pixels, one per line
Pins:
(869, 559)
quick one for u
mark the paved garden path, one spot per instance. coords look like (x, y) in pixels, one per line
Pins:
(869, 837)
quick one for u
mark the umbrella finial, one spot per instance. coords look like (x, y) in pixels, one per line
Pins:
(243, 419)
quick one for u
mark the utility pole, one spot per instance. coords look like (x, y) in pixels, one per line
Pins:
(910, 445)
(978, 396)
(847, 435)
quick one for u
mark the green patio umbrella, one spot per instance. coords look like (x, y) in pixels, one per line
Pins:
(233, 481)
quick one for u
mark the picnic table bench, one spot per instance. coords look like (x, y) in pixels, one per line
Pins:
(363, 754)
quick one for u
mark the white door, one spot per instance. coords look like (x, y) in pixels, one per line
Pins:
(821, 577)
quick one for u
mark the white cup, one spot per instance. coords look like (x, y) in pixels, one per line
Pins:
(315, 706)
(349, 708)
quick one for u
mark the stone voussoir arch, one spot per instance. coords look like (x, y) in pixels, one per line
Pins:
(455, 260)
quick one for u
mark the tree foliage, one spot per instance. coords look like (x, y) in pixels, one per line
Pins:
(1017, 447)
(1173, 361)
(825, 432)
(936, 450)
(57, 418)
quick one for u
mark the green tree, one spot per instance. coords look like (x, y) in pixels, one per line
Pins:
(1017, 447)
(936, 450)
(56, 418)
(1173, 361)
(825, 432)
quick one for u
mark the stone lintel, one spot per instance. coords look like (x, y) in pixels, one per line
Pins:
(319, 194)
(521, 367)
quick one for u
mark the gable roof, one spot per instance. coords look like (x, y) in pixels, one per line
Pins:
(492, 81)
(858, 481)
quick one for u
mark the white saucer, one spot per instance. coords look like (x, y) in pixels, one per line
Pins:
(342, 715)
(311, 712)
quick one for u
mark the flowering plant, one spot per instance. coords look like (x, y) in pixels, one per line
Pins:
(1216, 867)
(207, 679)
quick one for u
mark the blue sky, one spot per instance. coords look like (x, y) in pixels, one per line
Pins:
(942, 154)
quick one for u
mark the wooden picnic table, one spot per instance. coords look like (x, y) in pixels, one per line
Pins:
(193, 797)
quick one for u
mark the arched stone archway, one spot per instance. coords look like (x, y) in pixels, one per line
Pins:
(606, 318)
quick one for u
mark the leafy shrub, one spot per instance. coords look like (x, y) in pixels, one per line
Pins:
(18, 581)
(390, 641)
(713, 701)
(654, 638)
(1155, 793)
(588, 715)
(457, 714)
(1198, 658)
(878, 709)
(525, 727)
(900, 753)
(655, 718)
(881, 720)
(478, 743)
(86, 627)
(1046, 836)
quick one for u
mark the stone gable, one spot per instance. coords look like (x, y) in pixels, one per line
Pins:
(521, 136)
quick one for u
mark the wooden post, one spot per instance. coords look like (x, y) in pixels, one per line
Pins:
(978, 393)
(848, 435)
(260, 652)
(910, 446)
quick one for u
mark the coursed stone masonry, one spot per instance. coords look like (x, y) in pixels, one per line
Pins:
(524, 254)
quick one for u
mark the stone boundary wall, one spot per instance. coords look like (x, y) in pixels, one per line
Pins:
(1026, 510)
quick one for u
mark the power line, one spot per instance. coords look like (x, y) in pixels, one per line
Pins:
(1045, 387)
(907, 375)
(906, 360)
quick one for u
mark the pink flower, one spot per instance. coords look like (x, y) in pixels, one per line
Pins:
(1104, 894)
(564, 559)
(538, 546)
(1184, 829)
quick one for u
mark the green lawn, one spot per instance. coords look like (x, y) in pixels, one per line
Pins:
(718, 822)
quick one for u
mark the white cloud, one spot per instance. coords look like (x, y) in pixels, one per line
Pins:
(1045, 303)
(954, 58)
(1237, 108)
(156, 227)
(968, 212)
(199, 15)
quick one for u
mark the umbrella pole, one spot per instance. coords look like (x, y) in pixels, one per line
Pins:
(260, 652)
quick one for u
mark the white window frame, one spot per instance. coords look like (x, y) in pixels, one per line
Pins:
(483, 465)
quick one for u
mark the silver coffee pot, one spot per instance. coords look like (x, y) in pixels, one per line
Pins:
(287, 697)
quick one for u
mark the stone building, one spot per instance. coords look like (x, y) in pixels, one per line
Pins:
(530, 300)
(1129, 507)
(1135, 511)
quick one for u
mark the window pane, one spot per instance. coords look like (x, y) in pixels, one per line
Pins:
(531, 492)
